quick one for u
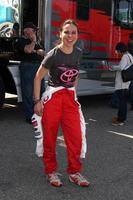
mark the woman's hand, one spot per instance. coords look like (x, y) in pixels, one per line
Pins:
(38, 108)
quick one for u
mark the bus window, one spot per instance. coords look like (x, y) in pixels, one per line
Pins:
(123, 13)
(82, 9)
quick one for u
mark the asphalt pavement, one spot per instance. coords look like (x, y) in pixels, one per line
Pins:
(108, 164)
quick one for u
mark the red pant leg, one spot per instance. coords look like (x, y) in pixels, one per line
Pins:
(51, 120)
(72, 131)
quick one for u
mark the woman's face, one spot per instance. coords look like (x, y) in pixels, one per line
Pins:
(69, 35)
(118, 54)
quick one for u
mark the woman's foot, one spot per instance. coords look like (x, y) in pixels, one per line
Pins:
(117, 122)
(54, 179)
(78, 179)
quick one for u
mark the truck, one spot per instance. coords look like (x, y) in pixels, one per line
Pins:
(102, 24)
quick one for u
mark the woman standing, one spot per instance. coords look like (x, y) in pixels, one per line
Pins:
(60, 106)
(120, 86)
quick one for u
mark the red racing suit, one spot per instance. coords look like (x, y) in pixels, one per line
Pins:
(61, 108)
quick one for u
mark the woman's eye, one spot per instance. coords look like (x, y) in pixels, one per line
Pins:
(68, 32)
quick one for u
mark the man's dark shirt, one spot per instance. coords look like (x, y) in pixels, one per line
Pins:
(22, 56)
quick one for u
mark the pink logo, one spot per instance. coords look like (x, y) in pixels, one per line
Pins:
(68, 75)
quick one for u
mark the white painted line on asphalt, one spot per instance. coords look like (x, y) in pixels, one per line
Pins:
(121, 134)
(60, 138)
(62, 145)
(61, 141)
(93, 120)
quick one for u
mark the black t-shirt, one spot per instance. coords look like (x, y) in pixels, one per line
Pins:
(19, 47)
(63, 68)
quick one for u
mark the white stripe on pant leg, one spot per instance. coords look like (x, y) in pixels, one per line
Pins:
(83, 129)
(36, 121)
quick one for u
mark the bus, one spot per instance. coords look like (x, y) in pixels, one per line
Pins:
(102, 24)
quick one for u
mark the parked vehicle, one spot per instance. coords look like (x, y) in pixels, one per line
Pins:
(102, 25)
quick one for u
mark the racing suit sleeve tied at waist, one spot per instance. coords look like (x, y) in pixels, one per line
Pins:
(36, 121)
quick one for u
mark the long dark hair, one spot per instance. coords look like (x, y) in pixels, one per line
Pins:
(121, 47)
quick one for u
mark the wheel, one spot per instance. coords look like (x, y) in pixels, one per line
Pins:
(2, 93)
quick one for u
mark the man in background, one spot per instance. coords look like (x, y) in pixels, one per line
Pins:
(30, 54)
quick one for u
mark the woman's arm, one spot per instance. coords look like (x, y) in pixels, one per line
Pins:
(41, 73)
(76, 82)
(122, 64)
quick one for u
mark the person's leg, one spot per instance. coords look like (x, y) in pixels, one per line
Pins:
(122, 111)
(27, 74)
(72, 131)
(131, 94)
(50, 121)
(114, 102)
(26, 89)
(73, 138)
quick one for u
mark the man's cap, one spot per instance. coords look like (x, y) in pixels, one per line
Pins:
(30, 25)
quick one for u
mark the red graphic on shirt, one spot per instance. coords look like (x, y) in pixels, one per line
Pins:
(69, 75)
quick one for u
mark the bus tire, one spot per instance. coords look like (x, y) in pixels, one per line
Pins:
(2, 92)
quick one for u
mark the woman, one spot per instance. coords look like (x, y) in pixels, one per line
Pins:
(60, 106)
(120, 86)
